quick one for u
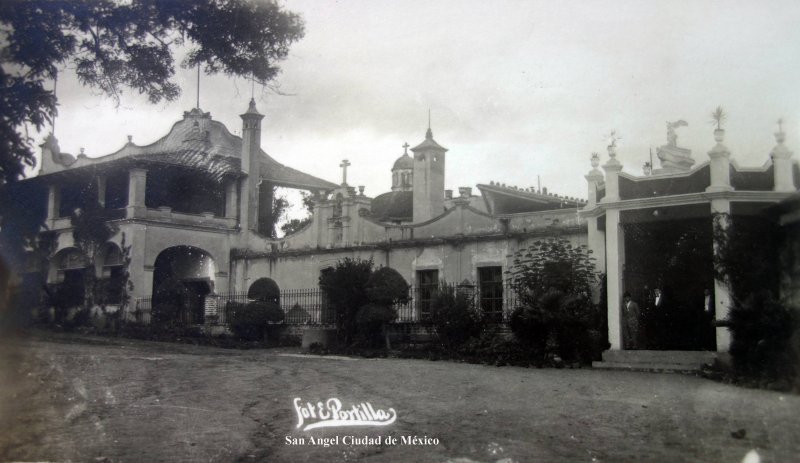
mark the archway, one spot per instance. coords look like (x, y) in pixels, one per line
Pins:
(110, 269)
(182, 277)
(70, 265)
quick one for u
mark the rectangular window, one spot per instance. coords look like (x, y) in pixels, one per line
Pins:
(490, 285)
(427, 283)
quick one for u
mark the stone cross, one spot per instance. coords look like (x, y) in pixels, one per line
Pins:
(405, 147)
(345, 163)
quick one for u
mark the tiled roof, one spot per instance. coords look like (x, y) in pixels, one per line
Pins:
(501, 199)
(199, 142)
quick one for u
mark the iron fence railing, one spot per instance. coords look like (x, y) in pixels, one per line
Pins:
(311, 306)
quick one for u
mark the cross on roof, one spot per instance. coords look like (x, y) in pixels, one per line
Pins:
(405, 147)
(344, 165)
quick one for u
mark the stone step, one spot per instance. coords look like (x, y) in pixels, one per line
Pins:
(648, 367)
(688, 358)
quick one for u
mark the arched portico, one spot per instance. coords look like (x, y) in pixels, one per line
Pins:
(184, 275)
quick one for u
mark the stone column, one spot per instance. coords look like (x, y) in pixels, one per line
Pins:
(231, 199)
(101, 190)
(596, 238)
(53, 204)
(137, 184)
(612, 168)
(720, 164)
(722, 297)
(615, 241)
(782, 165)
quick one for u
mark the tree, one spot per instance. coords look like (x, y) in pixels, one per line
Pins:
(296, 225)
(345, 287)
(117, 45)
(554, 281)
(91, 230)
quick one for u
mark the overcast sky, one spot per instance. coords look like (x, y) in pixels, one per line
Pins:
(515, 89)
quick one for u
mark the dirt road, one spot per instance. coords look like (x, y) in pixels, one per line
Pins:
(97, 399)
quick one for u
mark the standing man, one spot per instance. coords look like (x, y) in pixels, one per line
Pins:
(708, 332)
(659, 322)
(630, 335)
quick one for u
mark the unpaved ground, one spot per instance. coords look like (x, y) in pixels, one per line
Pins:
(96, 399)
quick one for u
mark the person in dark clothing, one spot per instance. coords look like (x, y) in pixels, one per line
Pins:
(630, 317)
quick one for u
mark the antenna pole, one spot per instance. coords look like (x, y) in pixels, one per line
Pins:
(539, 183)
(198, 86)
(55, 88)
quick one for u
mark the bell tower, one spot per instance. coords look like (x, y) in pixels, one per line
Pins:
(428, 179)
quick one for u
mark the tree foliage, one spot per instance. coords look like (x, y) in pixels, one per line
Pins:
(552, 264)
(454, 315)
(747, 255)
(345, 287)
(115, 45)
(554, 281)
(362, 299)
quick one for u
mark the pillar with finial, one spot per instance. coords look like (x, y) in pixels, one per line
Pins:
(613, 167)
(250, 165)
(720, 158)
(594, 178)
(782, 163)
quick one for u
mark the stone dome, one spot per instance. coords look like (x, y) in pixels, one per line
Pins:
(403, 162)
(393, 206)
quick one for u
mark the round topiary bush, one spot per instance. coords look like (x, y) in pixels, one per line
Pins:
(264, 290)
(371, 320)
(166, 314)
(250, 323)
(386, 286)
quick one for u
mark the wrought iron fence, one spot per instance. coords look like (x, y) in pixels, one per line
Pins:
(311, 306)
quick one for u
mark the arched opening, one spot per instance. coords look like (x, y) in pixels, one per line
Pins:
(110, 269)
(69, 290)
(182, 277)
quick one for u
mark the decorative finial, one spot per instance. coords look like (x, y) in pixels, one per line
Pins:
(429, 133)
(345, 163)
(780, 136)
(595, 160)
(405, 148)
(612, 147)
(82, 150)
(198, 86)
(361, 190)
(647, 168)
(130, 138)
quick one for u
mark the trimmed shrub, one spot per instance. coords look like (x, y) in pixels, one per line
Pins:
(251, 322)
(371, 320)
(387, 287)
(764, 339)
(454, 316)
(554, 281)
(166, 314)
(297, 314)
(345, 287)
(264, 290)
